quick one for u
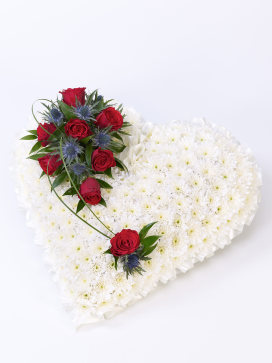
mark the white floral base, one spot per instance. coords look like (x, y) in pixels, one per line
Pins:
(193, 178)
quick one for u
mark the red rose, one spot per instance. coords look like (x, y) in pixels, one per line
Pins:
(51, 162)
(77, 129)
(90, 191)
(70, 95)
(43, 136)
(102, 159)
(109, 117)
(125, 242)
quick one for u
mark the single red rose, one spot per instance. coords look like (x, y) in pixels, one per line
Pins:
(70, 95)
(78, 129)
(90, 191)
(102, 159)
(43, 136)
(109, 117)
(125, 242)
(51, 162)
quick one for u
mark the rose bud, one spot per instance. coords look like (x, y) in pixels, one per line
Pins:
(125, 242)
(51, 162)
(109, 117)
(43, 136)
(78, 129)
(102, 159)
(70, 95)
(90, 191)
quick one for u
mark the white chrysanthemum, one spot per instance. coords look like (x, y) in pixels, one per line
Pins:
(192, 177)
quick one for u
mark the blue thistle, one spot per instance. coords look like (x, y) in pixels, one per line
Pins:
(78, 169)
(83, 112)
(55, 116)
(132, 261)
(71, 149)
(102, 139)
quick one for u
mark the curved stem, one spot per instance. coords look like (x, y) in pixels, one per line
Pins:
(73, 184)
(71, 210)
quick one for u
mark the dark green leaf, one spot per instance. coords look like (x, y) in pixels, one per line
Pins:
(29, 137)
(108, 251)
(104, 184)
(102, 202)
(42, 174)
(108, 173)
(126, 124)
(115, 262)
(119, 137)
(148, 250)
(143, 232)
(86, 139)
(37, 156)
(124, 133)
(36, 147)
(80, 205)
(66, 110)
(121, 165)
(59, 179)
(88, 154)
(70, 191)
(149, 241)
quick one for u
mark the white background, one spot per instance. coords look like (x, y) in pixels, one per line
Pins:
(170, 60)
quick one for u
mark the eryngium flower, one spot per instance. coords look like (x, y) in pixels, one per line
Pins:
(55, 116)
(71, 150)
(78, 169)
(102, 139)
(132, 261)
(83, 112)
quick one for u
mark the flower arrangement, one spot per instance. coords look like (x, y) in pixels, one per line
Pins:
(193, 177)
(79, 140)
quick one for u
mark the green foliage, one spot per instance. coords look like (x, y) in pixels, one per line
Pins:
(29, 137)
(80, 206)
(66, 110)
(102, 202)
(104, 184)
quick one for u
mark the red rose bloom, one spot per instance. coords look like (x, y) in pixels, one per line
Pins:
(51, 162)
(90, 191)
(70, 95)
(102, 159)
(43, 136)
(109, 117)
(125, 242)
(77, 129)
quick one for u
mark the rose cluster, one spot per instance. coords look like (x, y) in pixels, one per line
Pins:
(79, 137)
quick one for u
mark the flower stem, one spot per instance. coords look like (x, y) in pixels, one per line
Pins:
(71, 210)
(73, 184)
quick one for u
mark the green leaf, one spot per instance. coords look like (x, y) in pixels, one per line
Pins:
(143, 232)
(121, 165)
(29, 137)
(104, 184)
(59, 179)
(36, 156)
(36, 147)
(80, 205)
(108, 173)
(108, 251)
(149, 241)
(66, 110)
(116, 147)
(88, 154)
(86, 140)
(33, 132)
(126, 124)
(119, 137)
(102, 202)
(124, 133)
(115, 261)
(148, 250)
(42, 174)
(70, 191)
